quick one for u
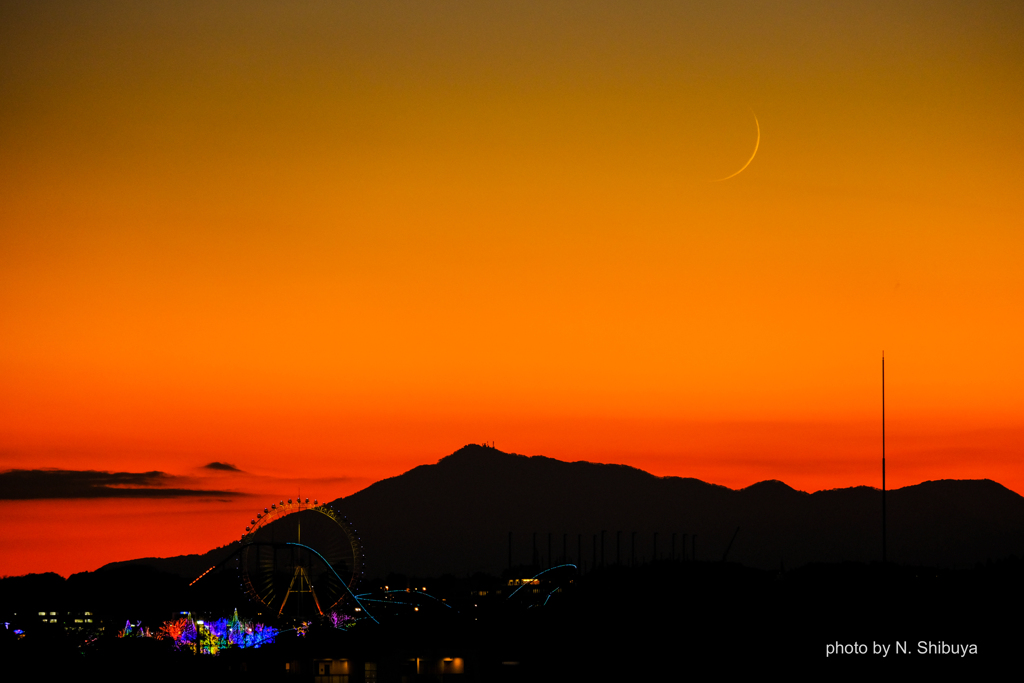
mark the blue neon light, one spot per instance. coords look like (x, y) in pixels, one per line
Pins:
(300, 545)
(530, 581)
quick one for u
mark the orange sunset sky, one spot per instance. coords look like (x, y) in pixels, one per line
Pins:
(328, 241)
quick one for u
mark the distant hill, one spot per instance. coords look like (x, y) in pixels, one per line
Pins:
(455, 516)
(186, 566)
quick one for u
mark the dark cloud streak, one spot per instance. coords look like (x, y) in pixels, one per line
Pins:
(51, 484)
(221, 466)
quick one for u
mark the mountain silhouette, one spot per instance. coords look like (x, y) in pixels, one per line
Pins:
(455, 516)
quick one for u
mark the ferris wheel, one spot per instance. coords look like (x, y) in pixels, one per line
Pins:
(300, 559)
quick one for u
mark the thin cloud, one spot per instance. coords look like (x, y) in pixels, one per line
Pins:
(221, 466)
(43, 484)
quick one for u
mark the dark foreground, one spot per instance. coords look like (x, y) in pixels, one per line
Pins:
(661, 621)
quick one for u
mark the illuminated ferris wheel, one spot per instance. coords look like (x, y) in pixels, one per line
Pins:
(300, 559)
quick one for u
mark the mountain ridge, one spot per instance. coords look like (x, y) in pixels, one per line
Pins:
(454, 516)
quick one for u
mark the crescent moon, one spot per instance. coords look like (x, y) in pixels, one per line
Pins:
(756, 145)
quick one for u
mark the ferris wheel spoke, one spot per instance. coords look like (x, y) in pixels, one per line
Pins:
(300, 559)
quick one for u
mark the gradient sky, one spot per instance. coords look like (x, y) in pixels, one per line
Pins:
(326, 242)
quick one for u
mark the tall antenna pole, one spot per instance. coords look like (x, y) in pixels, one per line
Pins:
(883, 458)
